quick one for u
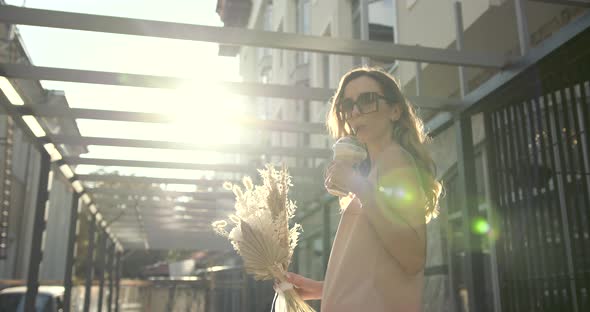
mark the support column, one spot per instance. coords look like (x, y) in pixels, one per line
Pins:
(459, 44)
(100, 264)
(523, 27)
(418, 78)
(364, 11)
(89, 262)
(73, 233)
(117, 280)
(111, 255)
(36, 254)
(473, 268)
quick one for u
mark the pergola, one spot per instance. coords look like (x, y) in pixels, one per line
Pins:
(147, 226)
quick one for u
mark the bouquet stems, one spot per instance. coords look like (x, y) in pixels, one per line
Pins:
(292, 300)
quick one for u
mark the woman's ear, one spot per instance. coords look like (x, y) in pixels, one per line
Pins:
(396, 112)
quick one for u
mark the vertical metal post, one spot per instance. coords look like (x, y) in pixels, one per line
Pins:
(418, 78)
(70, 252)
(110, 269)
(89, 262)
(100, 264)
(117, 280)
(523, 28)
(459, 44)
(36, 254)
(489, 177)
(473, 269)
(364, 11)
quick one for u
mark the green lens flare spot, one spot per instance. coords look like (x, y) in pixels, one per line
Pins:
(480, 226)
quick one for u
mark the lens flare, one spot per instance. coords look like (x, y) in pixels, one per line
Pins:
(397, 192)
(480, 226)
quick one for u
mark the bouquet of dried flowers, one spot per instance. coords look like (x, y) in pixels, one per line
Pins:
(261, 233)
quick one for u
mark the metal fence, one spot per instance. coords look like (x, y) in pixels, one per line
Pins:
(537, 128)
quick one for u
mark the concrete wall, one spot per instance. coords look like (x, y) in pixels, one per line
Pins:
(489, 26)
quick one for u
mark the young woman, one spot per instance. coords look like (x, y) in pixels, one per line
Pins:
(379, 251)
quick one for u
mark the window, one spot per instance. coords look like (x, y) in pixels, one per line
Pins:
(382, 25)
(326, 61)
(302, 19)
(280, 53)
(267, 26)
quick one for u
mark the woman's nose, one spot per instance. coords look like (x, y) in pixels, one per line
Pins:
(355, 111)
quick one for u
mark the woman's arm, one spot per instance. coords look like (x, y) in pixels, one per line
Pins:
(395, 208)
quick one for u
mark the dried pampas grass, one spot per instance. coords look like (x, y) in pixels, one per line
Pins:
(261, 233)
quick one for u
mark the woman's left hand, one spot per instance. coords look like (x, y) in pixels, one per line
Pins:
(342, 175)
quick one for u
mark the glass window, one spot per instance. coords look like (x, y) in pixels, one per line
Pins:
(382, 25)
(267, 26)
(303, 26)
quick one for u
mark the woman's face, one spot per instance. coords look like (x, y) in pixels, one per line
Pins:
(372, 122)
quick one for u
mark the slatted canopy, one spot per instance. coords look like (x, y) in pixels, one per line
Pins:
(175, 210)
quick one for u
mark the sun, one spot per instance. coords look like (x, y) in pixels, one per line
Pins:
(206, 113)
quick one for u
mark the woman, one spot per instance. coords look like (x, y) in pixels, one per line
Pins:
(379, 251)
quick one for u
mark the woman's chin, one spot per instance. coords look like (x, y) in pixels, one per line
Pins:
(362, 137)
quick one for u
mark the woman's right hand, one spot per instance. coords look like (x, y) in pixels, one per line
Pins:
(307, 288)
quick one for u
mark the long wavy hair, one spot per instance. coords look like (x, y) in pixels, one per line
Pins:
(408, 131)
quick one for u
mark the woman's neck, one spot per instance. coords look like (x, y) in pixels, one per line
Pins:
(375, 147)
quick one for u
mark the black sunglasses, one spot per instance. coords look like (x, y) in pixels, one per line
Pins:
(367, 102)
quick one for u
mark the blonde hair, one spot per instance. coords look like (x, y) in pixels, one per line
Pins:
(408, 131)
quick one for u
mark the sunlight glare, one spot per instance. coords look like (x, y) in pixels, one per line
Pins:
(207, 114)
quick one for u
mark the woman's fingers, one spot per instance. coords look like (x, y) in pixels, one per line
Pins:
(296, 279)
(291, 278)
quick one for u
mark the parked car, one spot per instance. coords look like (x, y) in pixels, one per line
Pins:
(49, 299)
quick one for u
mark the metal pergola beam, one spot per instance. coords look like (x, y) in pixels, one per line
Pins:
(579, 3)
(238, 149)
(235, 168)
(22, 71)
(97, 114)
(133, 192)
(112, 206)
(163, 204)
(148, 180)
(155, 214)
(246, 37)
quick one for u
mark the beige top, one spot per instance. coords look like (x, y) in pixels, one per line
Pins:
(362, 275)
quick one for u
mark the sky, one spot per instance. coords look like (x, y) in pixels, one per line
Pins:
(201, 107)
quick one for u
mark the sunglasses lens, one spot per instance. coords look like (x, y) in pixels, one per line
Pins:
(346, 106)
(367, 102)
